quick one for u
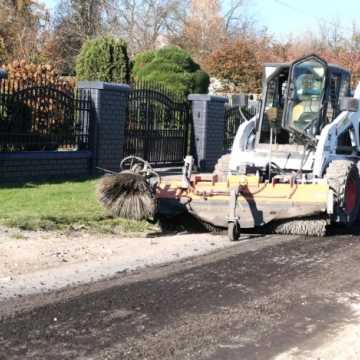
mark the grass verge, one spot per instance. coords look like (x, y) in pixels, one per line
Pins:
(61, 206)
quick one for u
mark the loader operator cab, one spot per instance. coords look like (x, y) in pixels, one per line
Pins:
(299, 99)
(306, 92)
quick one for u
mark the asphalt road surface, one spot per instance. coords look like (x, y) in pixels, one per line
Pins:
(244, 302)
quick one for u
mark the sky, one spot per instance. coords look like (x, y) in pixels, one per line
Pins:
(285, 17)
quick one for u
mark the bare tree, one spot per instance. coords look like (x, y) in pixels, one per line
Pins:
(196, 25)
(144, 23)
(331, 34)
(22, 24)
(234, 15)
(85, 18)
(74, 22)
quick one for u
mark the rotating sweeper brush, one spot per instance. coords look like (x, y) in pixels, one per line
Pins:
(293, 166)
(130, 194)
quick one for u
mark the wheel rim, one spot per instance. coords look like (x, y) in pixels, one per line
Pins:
(351, 196)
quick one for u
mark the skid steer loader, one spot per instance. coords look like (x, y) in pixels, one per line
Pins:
(294, 164)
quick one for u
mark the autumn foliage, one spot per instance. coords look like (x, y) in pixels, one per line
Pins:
(22, 74)
(238, 64)
(204, 28)
(215, 33)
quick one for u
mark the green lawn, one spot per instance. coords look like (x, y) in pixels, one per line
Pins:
(62, 205)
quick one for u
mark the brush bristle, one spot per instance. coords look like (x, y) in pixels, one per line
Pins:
(305, 226)
(127, 195)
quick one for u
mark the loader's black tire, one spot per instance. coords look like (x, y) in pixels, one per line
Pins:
(343, 178)
(222, 167)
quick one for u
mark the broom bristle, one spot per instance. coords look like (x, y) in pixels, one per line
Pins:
(127, 195)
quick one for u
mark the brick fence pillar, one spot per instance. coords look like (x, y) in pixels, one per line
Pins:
(209, 124)
(110, 102)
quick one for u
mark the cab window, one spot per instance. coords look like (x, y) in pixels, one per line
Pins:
(307, 95)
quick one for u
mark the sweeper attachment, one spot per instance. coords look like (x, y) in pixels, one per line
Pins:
(293, 166)
(130, 194)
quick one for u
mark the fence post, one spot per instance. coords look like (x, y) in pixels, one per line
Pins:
(209, 124)
(110, 104)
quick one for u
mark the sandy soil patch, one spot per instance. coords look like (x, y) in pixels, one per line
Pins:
(22, 252)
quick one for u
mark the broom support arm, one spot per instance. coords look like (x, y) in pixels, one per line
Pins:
(187, 172)
(233, 219)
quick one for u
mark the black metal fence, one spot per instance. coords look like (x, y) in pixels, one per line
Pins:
(43, 117)
(234, 117)
(158, 125)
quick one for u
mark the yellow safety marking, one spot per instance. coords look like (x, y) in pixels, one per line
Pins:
(234, 180)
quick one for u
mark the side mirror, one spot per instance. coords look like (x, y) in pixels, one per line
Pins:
(349, 104)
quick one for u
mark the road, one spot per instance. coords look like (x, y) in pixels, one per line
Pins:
(291, 299)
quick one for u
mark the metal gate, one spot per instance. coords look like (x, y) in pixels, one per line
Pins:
(158, 127)
(43, 117)
(234, 116)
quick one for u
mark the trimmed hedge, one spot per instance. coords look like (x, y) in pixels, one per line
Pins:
(172, 67)
(104, 58)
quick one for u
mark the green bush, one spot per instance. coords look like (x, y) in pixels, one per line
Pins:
(173, 68)
(105, 59)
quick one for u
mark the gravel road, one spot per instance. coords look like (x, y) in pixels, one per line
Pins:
(39, 262)
(264, 298)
